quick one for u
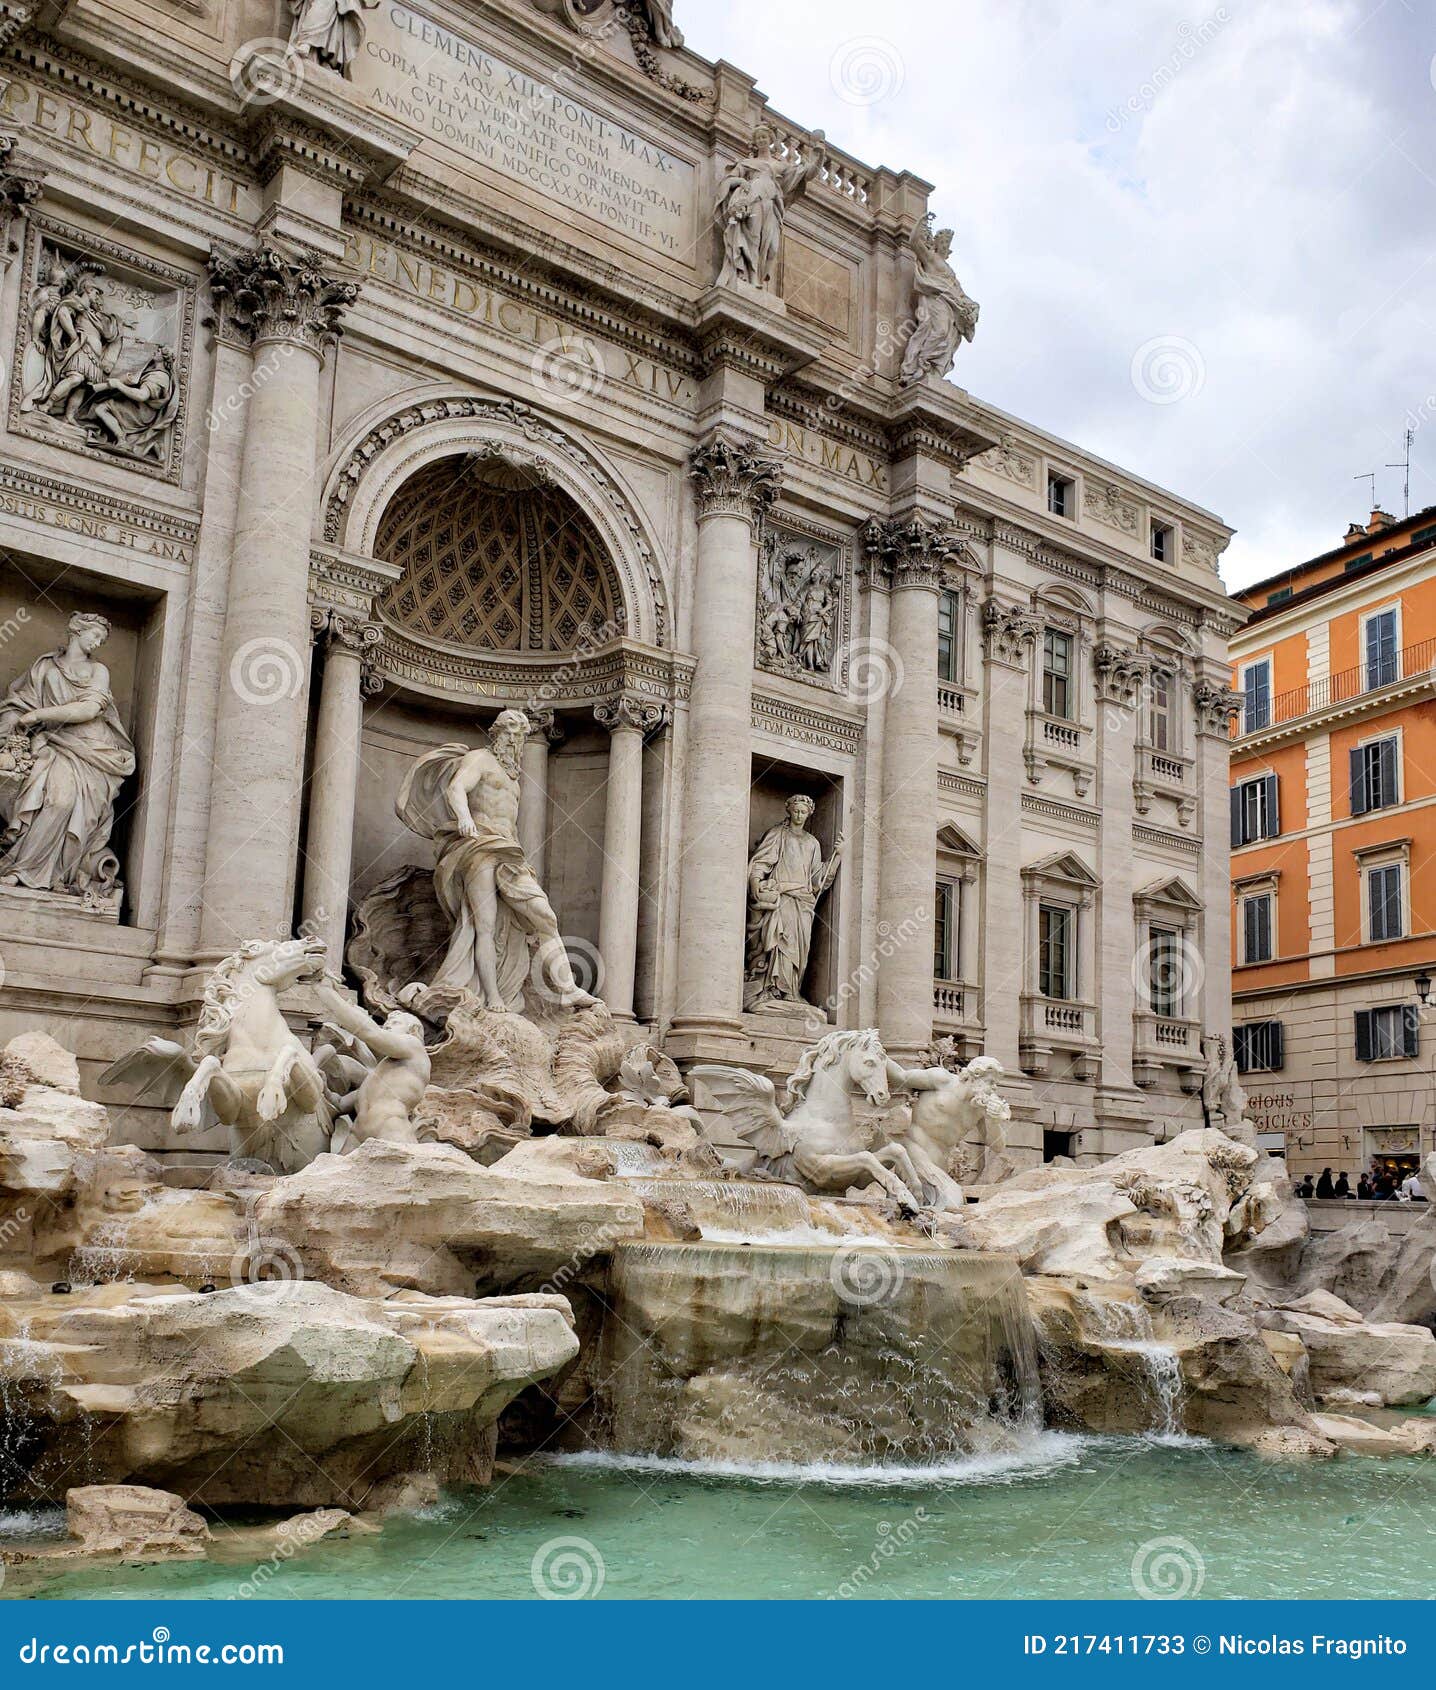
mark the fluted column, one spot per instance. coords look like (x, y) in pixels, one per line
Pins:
(735, 483)
(533, 789)
(329, 838)
(907, 557)
(627, 721)
(288, 310)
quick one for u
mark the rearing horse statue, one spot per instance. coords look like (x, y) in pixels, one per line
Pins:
(247, 1070)
(818, 1143)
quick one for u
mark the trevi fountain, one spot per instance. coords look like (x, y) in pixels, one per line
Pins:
(359, 1233)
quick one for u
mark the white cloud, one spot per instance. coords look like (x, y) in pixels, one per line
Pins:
(1258, 179)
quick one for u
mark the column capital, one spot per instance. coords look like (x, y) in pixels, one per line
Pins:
(349, 633)
(1120, 674)
(909, 552)
(1217, 707)
(545, 722)
(1008, 630)
(19, 190)
(266, 294)
(640, 714)
(734, 476)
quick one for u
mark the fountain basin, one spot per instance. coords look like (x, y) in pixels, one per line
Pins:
(799, 1352)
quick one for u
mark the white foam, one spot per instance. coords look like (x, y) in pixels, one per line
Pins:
(1037, 1454)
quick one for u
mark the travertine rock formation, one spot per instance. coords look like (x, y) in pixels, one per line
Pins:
(134, 1521)
(273, 1393)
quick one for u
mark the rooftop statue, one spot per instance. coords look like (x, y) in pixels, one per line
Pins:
(331, 31)
(944, 316)
(752, 201)
(467, 802)
(59, 797)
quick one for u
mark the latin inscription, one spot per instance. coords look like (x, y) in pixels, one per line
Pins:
(535, 133)
(562, 346)
(833, 457)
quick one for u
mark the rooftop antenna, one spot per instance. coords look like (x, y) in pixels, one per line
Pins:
(1369, 475)
(1405, 464)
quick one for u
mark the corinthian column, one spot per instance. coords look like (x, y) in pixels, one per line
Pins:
(735, 484)
(907, 558)
(287, 310)
(627, 720)
(329, 839)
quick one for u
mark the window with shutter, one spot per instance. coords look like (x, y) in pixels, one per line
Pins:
(1411, 1030)
(1358, 780)
(1385, 919)
(1258, 1047)
(1256, 695)
(1256, 927)
(1381, 653)
(1363, 1036)
(1271, 819)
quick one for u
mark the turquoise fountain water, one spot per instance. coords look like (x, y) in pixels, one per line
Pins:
(1065, 1516)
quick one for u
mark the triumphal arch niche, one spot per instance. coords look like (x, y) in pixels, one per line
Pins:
(399, 366)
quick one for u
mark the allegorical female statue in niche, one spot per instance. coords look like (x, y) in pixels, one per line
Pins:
(59, 820)
(786, 877)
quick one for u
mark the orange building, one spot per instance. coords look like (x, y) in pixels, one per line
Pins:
(1333, 819)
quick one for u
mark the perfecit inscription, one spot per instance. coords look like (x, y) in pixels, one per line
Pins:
(486, 112)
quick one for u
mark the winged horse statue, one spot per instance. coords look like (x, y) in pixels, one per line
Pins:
(246, 1069)
(817, 1142)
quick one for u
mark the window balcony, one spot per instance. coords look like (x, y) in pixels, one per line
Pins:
(1164, 1041)
(1350, 693)
(957, 716)
(1161, 774)
(957, 1014)
(1058, 1027)
(1055, 742)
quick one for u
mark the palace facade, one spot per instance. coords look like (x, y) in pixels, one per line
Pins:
(372, 380)
(1333, 860)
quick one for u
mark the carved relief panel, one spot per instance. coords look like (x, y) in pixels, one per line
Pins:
(102, 350)
(803, 604)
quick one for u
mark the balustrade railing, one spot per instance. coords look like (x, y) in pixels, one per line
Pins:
(1410, 664)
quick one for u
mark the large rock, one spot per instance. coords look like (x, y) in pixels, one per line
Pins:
(1362, 1437)
(47, 1133)
(272, 1393)
(1353, 1263)
(1351, 1358)
(134, 1521)
(425, 1217)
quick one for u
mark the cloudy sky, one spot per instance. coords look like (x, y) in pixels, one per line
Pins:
(1240, 197)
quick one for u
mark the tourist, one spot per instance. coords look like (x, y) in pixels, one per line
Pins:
(1363, 1188)
(1324, 1187)
(1304, 1189)
(1411, 1191)
(1342, 1188)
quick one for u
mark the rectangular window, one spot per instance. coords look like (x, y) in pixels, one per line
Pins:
(1259, 1047)
(1255, 810)
(1389, 1033)
(1164, 972)
(1383, 903)
(1375, 783)
(1257, 927)
(947, 944)
(1059, 494)
(1382, 657)
(1163, 737)
(1161, 542)
(1256, 695)
(949, 650)
(1057, 673)
(1056, 950)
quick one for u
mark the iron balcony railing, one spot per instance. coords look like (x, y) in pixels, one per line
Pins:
(1409, 664)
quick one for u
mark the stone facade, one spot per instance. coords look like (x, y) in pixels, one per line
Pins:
(423, 402)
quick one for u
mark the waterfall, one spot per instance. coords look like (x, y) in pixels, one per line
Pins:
(852, 1353)
(1125, 1329)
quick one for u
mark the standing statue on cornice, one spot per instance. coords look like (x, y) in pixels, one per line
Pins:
(331, 31)
(943, 315)
(467, 802)
(752, 203)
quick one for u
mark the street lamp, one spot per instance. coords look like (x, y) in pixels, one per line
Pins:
(1423, 987)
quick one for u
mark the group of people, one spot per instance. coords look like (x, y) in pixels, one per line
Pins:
(1378, 1186)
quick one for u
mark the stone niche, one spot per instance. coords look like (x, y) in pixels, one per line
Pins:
(37, 600)
(774, 783)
